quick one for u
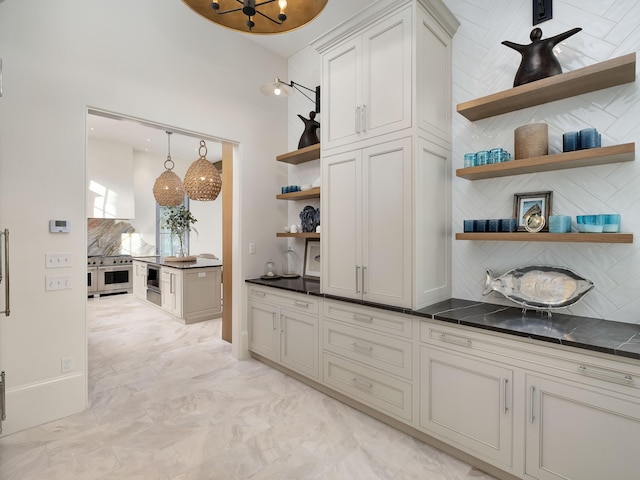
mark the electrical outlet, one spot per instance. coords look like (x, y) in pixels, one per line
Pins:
(542, 11)
(66, 364)
(252, 248)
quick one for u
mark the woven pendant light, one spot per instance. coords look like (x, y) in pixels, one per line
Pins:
(202, 181)
(168, 188)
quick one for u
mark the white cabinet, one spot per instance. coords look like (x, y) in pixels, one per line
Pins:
(140, 279)
(171, 290)
(368, 355)
(386, 154)
(367, 82)
(467, 400)
(283, 327)
(191, 294)
(366, 230)
(579, 432)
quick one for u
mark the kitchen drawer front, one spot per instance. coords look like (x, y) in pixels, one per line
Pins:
(610, 373)
(371, 318)
(299, 302)
(389, 395)
(392, 355)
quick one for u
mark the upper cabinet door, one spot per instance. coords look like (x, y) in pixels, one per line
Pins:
(342, 90)
(367, 83)
(386, 74)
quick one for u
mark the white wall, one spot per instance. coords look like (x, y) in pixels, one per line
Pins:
(483, 66)
(159, 62)
(304, 68)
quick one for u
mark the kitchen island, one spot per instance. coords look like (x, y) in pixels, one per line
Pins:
(189, 291)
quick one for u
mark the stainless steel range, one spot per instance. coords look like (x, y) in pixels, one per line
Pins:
(109, 274)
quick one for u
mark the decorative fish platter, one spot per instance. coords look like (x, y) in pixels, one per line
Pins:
(539, 287)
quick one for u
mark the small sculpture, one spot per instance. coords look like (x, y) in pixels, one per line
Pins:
(309, 218)
(538, 59)
(309, 136)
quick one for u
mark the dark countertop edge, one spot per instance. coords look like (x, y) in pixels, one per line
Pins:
(197, 263)
(584, 333)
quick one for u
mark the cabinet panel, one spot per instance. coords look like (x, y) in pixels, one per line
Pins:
(386, 71)
(341, 93)
(388, 394)
(386, 213)
(299, 342)
(467, 400)
(434, 79)
(579, 433)
(389, 354)
(263, 329)
(432, 224)
(140, 280)
(371, 318)
(341, 224)
(201, 294)
(171, 291)
(293, 301)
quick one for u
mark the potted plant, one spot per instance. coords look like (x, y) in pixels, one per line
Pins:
(180, 221)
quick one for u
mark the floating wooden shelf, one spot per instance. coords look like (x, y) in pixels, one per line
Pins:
(299, 235)
(304, 195)
(303, 155)
(547, 237)
(559, 161)
(610, 73)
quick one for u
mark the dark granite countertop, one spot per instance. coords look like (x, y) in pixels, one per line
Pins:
(595, 334)
(199, 262)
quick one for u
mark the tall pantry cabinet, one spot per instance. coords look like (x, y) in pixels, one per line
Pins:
(386, 154)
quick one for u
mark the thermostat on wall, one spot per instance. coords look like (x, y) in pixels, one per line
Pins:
(59, 226)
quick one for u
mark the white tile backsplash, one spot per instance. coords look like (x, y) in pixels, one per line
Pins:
(483, 66)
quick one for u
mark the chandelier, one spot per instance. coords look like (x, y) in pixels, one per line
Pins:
(168, 189)
(202, 180)
(265, 17)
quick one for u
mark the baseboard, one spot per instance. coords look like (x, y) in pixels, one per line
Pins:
(37, 403)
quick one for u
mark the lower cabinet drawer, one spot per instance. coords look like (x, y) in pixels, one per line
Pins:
(392, 355)
(389, 395)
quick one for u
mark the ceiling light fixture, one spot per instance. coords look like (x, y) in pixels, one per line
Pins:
(168, 189)
(265, 17)
(278, 88)
(202, 180)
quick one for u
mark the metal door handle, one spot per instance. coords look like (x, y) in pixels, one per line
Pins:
(363, 125)
(7, 308)
(533, 394)
(274, 320)
(356, 345)
(506, 385)
(364, 292)
(301, 304)
(357, 275)
(362, 318)
(3, 411)
(361, 384)
(465, 342)
(610, 377)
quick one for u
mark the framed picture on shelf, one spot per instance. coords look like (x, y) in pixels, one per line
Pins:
(524, 203)
(312, 259)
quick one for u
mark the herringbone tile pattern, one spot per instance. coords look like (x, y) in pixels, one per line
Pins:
(481, 66)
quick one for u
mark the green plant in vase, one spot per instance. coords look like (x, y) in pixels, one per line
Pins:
(179, 221)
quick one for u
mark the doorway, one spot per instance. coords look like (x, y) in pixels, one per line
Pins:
(151, 145)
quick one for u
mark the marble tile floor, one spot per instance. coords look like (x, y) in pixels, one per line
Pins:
(168, 402)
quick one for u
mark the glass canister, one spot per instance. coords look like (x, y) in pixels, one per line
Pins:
(270, 269)
(290, 264)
